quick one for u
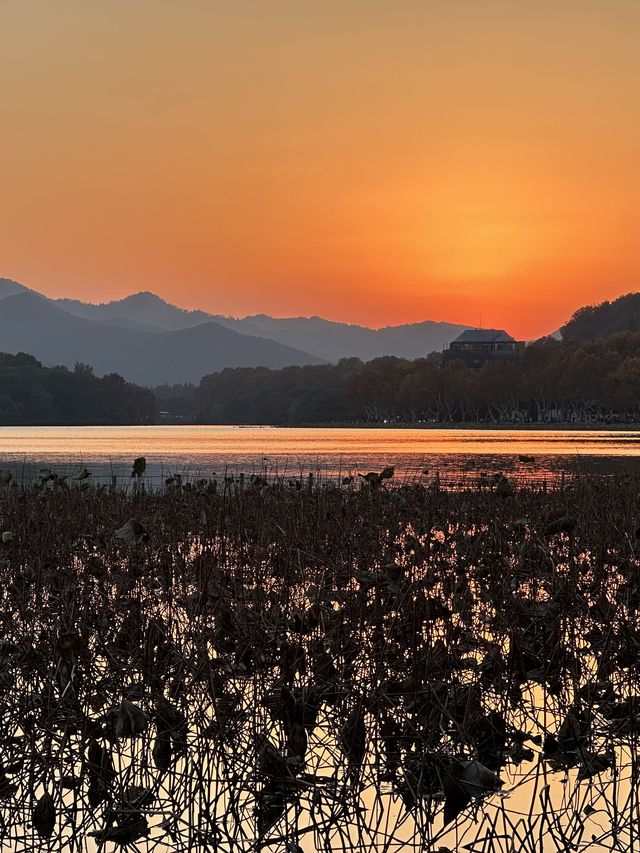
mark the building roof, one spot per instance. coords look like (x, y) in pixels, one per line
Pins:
(483, 336)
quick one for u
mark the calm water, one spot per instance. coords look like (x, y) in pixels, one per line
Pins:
(205, 450)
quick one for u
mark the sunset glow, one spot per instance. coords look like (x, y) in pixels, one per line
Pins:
(368, 161)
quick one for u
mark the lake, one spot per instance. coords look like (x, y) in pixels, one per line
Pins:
(208, 450)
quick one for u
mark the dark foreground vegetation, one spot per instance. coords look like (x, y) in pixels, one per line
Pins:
(552, 382)
(238, 666)
(33, 394)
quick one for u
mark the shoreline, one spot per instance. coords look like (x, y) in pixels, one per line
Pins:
(533, 427)
(564, 426)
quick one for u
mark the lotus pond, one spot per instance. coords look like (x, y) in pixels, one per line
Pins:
(283, 665)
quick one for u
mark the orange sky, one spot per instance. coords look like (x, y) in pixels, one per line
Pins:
(368, 160)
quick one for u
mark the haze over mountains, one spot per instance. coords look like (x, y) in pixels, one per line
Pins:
(151, 342)
(320, 338)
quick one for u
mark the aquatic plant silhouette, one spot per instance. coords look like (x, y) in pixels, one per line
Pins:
(264, 664)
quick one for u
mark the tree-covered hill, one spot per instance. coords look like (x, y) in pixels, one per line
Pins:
(33, 394)
(600, 321)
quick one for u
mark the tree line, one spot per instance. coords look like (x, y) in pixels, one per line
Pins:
(551, 382)
(33, 394)
(593, 381)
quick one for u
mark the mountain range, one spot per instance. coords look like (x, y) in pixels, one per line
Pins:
(149, 341)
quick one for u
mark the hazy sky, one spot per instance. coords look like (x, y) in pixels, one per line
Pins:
(382, 162)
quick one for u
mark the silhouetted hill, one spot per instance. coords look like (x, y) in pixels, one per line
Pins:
(330, 340)
(600, 321)
(325, 339)
(8, 287)
(31, 323)
(142, 310)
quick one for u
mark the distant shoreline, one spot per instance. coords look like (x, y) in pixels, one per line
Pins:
(571, 426)
(499, 427)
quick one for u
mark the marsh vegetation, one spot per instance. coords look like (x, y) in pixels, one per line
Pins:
(272, 664)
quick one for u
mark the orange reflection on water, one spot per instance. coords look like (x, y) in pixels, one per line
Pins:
(193, 441)
(290, 450)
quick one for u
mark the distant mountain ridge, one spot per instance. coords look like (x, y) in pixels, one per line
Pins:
(327, 340)
(33, 324)
(149, 341)
(9, 287)
(143, 310)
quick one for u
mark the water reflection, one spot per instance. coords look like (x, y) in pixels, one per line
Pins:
(199, 451)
